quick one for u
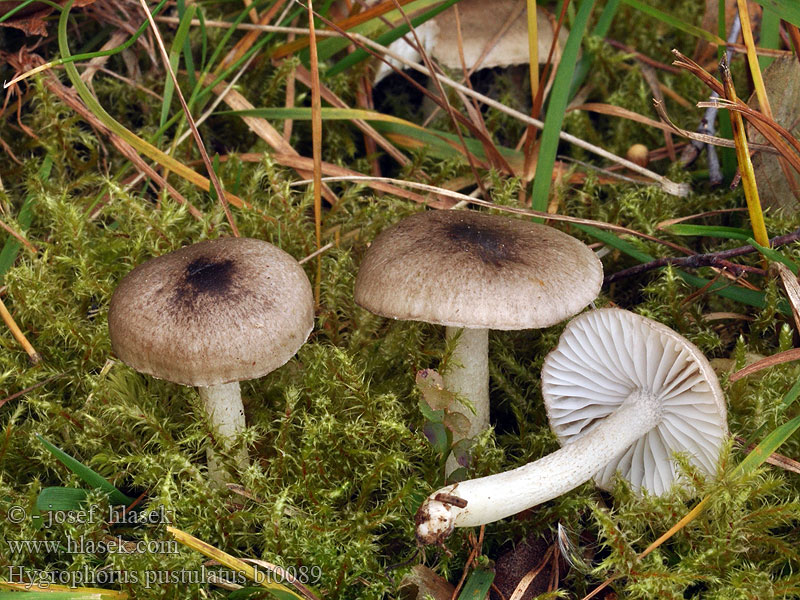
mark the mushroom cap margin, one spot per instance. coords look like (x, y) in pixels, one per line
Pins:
(469, 269)
(218, 311)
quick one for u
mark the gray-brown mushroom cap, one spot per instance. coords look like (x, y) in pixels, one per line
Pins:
(468, 269)
(218, 311)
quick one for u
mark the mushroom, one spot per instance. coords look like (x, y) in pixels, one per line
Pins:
(210, 315)
(485, 40)
(473, 272)
(623, 393)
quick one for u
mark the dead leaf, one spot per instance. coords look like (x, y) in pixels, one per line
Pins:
(791, 286)
(31, 19)
(422, 582)
(782, 82)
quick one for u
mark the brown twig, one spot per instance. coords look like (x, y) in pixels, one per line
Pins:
(19, 237)
(765, 363)
(34, 356)
(713, 259)
(30, 389)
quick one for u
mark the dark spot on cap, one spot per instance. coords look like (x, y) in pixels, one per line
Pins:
(205, 279)
(491, 245)
(209, 276)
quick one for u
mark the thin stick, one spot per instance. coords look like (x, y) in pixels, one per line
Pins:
(316, 135)
(671, 187)
(19, 237)
(34, 356)
(30, 389)
(463, 198)
(715, 259)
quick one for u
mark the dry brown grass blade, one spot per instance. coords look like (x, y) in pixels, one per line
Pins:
(33, 355)
(316, 140)
(794, 35)
(776, 134)
(650, 76)
(510, 209)
(702, 137)
(263, 129)
(331, 170)
(623, 113)
(22, 240)
(304, 77)
(765, 363)
(684, 62)
(758, 82)
(198, 140)
(70, 97)
(348, 23)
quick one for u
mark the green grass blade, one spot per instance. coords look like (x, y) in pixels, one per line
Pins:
(770, 35)
(774, 255)
(559, 96)
(768, 445)
(90, 477)
(612, 240)
(477, 585)
(328, 113)
(675, 22)
(387, 38)
(174, 60)
(789, 10)
(111, 51)
(15, 10)
(723, 288)
(716, 231)
(61, 499)
(599, 30)
(12, 246)
(401, 132)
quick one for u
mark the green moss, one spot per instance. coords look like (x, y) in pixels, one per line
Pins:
(339, 462)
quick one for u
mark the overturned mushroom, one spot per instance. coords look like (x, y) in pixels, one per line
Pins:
(623, 393)
(492, 34)
(473, 272)
(210, 315)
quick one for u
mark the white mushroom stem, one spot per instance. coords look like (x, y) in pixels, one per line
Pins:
(223, 405)
(488, 499)
(469, 377)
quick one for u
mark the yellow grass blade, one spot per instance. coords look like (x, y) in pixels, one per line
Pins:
(533, 49)
(82, 592)
(745, 164)
(229, 561)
